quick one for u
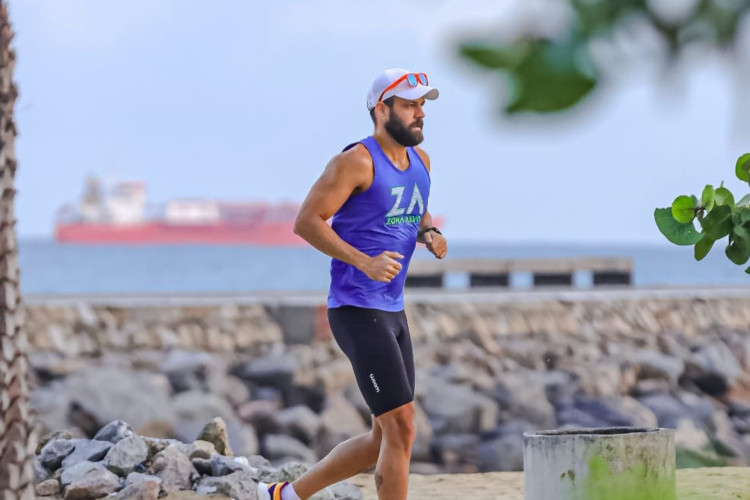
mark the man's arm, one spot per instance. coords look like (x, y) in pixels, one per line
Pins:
(435, 242)
(346, 173)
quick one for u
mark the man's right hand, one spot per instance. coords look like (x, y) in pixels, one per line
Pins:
(383, 267)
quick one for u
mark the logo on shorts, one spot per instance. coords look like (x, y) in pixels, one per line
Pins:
(374, 383)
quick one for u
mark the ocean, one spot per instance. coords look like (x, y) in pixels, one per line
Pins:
(48, 267)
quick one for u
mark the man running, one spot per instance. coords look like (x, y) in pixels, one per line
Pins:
(376, 190)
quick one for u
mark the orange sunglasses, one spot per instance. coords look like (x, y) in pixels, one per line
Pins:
(413, 79)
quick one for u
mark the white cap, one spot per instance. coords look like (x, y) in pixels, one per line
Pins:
(403, 89)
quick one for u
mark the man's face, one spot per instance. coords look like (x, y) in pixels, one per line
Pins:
(406, 121)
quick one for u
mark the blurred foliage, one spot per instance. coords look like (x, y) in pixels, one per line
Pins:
(553, 74)
(719, 216)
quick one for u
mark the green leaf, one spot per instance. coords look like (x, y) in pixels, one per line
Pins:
(747, 270)
(744, 215)
(718, 223)
(744, 201)
(551, 78)
(677, 232)
(703, 247)
(502, 57)
(741, 236)
(707, 198)
(683, 209)
(723, 196)
(737, 253)
(742, 169)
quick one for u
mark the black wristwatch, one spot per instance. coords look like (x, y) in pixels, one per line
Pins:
(430, 229)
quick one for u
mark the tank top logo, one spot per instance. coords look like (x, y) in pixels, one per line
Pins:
(400, 215)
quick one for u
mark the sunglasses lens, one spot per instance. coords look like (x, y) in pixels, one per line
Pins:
(423, 79)
(412, 79)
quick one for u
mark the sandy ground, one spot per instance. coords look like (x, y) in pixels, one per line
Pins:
(721, 483)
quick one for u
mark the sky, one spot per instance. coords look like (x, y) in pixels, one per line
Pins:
(249, 99)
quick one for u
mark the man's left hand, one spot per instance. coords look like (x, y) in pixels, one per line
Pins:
(436, 244)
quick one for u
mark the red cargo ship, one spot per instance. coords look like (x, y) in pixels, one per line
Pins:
(123, 217)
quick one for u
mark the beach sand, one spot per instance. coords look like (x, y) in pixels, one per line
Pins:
(721, 483)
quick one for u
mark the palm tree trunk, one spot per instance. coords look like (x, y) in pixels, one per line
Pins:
(16, 451)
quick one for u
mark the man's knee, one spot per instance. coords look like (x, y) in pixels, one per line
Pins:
(398, 424)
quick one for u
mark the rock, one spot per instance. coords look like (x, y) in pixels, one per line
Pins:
(339, 422)
(194, 409)
(95, 483)
(51, 436)
(198, 449)
(456, 449)
(233, 390)
(261, 414)
(560, 387)
(650, 387)
(187, 370)
(85, 450)
(729, 441)
(215, 432)
(278, 446)
(324, 494)
(126, 455)
(78, 470)
(114, 431)
(690, 437)
(300, 422)
(105, 394)
(137, 477)
(701, 409)
(289, 471)
(40, 471)
(345, 490)
(174, 469)
(223, 466)
(143, 490)
(653, 364)
(258, 462)
(570, 416)
(611, 412)
(667, 409)
(523, 395)
(202, 465)
(718, 358)
(457, 409)
(420, 450)
(237, 485)
(192, 495)
(275, 370)
(55, 451)
(503, 453)
(156, 445)
(48, 488)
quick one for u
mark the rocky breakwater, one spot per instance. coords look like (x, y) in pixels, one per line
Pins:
(121, 464)
(486, 372)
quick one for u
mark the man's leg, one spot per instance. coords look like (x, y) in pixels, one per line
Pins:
(351, 457)
(392, 470)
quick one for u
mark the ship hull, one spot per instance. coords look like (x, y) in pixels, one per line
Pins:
(269, 234)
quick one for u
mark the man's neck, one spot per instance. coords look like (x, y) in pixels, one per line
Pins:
(392, 149)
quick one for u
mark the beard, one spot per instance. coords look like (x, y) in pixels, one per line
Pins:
(406, 136)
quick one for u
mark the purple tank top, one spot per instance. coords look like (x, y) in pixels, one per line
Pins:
(384, 217)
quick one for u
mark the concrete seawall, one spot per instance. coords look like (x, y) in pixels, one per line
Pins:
(75, 325)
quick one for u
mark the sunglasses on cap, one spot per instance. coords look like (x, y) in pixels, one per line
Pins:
(413, 79)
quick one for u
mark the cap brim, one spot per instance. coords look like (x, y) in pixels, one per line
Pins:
(418, 92)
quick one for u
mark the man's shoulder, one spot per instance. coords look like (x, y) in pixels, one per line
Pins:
(355, 157)
(423, 156)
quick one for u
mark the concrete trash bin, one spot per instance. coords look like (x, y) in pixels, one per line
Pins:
(618, 463)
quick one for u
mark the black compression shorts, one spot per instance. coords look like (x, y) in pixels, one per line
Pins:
(378, 346)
